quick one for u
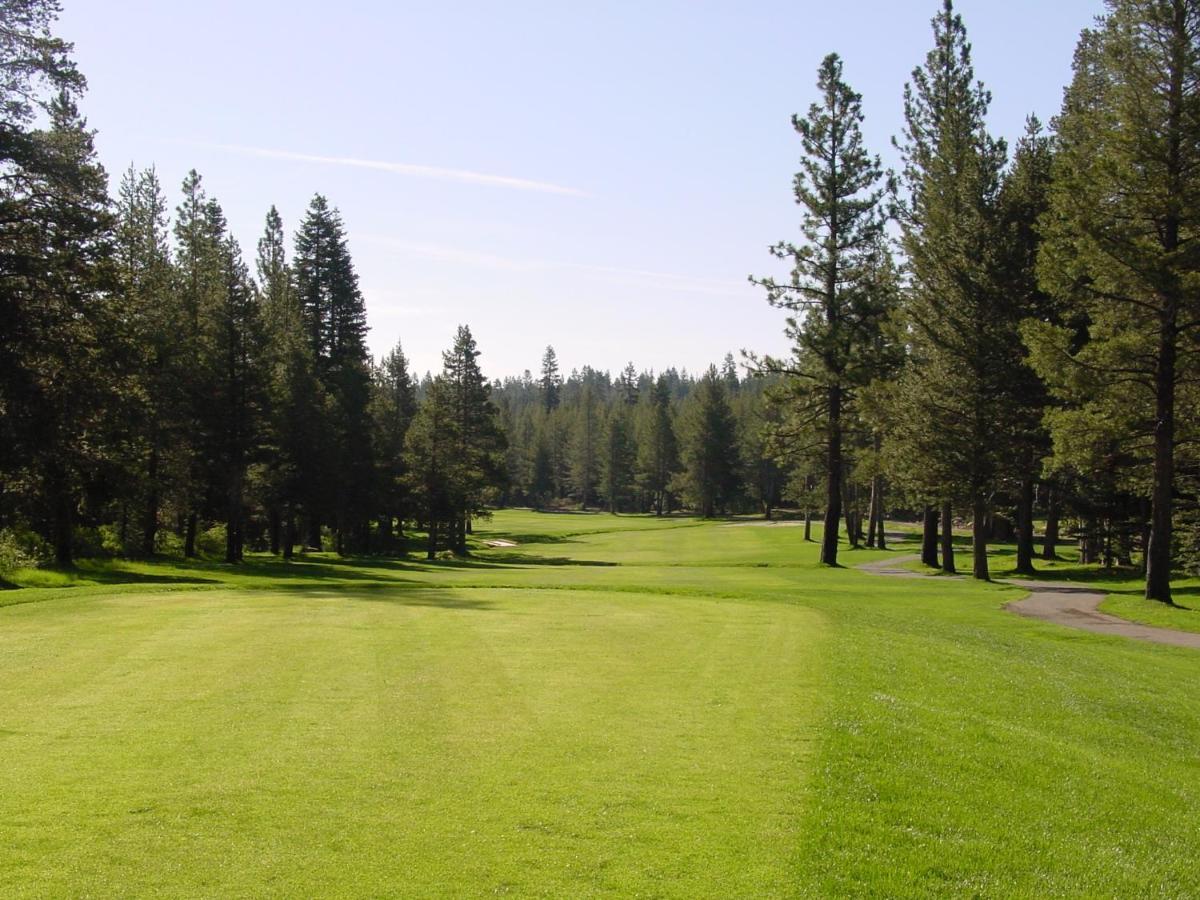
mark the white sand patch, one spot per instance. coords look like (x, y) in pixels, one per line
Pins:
(499, 543)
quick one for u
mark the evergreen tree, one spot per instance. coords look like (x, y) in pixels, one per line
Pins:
(830, 308)
(618, 459)
(710, 478)
(393, 406)
(198, 282)
(431, 461)
(585, 445)
(627, 385)
(551, 381)
(334, 317)
(1022, 202)
(658, 450)
(479, 453)
(144, 267)
(235, 396)
(64, 369)
(1120, 238)
(965, 340)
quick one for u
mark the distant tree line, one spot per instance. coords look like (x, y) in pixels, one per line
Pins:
(638, 442)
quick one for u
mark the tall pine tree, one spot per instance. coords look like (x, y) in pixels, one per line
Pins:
(831, 319)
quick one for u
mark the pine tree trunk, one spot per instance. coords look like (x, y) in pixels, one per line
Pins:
(233, 521)
(189, 536)
(1025, 548)
(807, 525)
(64, 550)
(833, 480)
(980, 529)
(274, 529)
(431, 549)
(852, 529)
(289, 534)
(948, 538)
(873, 515)
(460, 534)
(150, 513)
(1050, 543)
(1158, 553)
(929, 537)
(314, 534)
(880, 535)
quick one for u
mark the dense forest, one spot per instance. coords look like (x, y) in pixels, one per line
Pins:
(990, 336)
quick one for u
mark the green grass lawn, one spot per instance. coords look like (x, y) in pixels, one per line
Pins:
(616, 706)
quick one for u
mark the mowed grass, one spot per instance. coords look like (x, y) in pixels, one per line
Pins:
(616, 706)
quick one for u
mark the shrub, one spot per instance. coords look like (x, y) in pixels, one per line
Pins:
(211, 542)
(20, 548)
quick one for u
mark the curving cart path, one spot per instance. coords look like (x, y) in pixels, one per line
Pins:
(1074, 606)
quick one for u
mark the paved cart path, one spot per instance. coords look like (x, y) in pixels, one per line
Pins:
(1075, 606)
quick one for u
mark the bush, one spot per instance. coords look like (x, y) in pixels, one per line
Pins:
(168, 543)
(211, 542)
(21, 549)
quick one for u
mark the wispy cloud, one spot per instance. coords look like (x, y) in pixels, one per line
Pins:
(693, 284)
(411, 170)
(456, 255)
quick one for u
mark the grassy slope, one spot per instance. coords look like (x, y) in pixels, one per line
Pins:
(685, 710)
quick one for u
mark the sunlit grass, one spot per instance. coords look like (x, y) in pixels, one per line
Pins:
(615, 705)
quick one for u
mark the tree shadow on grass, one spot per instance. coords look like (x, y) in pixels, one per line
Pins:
(86, 573)
(382, 592)
(260, 572)
(508, 560)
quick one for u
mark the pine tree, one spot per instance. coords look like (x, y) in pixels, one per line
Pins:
(431, 461)
(236, 380)
(144, 267)
(393, 407)
(658, 450)
(758, 420)
(198, 282)
(1022, 202)
(585, 444)
(334, 317)
(551, 381)
(479, 453)
(1120, 236)
(957, 398)
(711, 465)
(627, 385)
(64, 369)
(618, 458)
(839, 189)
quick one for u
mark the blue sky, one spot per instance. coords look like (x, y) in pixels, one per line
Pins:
(600, 177)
